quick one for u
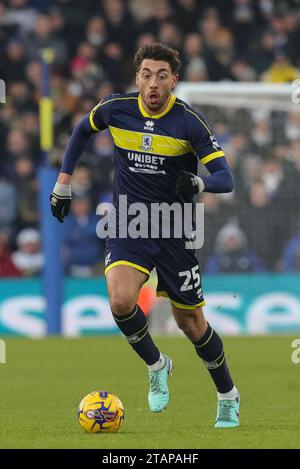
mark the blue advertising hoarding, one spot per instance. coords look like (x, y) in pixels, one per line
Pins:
(235, 304)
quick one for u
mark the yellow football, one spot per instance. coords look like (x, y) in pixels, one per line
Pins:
(101, 412)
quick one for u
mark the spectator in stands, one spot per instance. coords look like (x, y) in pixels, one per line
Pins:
(292, 31)
(7, 266)
(247, 168)
(43, 38)
(20, 95)
(262, 135)
(169, 33)
(27, 193)
(281, 186)
(143, 39)
(17, 146)
(241, 71)
(30, 125)
(193, 60)
(86, 70)
(33, 77)
(162, 10)
(104, 151)
(294, 160)
(57, 22)
(232, 254)
(258, 220)
(291, 253)
(196, 71)
(263, 52)
(113, 62)
(120, 27)
(216, 214)
(94, 41)
(210, 27)
(96, 33)
(141, 11)
(83, 184)
(292, 126)
(281, 70)
(13, 61)
(82, 248)
(244, 17)
(220, 57)
(188, 11)
(19, 12)
(8, 204)
(105, 88)
(28, 258)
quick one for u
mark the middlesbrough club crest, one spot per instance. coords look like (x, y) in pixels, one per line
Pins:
(146, 143)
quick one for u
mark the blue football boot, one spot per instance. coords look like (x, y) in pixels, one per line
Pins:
(228, 413)
(159, 396)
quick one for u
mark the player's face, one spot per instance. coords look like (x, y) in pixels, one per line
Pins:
(155, 82)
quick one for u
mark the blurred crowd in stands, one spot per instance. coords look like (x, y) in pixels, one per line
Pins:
(254, 229)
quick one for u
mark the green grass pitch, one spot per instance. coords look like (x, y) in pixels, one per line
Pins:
(43, 381)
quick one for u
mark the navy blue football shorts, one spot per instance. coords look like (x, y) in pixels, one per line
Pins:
(178, 269)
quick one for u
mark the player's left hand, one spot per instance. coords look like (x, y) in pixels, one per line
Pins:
(187, 185)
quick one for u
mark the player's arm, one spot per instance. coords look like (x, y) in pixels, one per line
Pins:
(220, 180)
(211, 155)
(61, 196)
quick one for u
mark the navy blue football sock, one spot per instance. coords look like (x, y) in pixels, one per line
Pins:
(210, 349)
(135, 328)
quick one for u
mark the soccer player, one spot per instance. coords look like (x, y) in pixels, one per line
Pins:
(158, 140)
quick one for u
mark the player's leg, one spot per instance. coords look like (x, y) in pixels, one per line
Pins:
(179, 279)
(124, 283)
(209, 347)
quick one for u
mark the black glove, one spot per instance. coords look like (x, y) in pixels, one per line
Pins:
(187, 185)
(60, 201)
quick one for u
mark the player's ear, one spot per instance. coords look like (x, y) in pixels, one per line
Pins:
(137, 79)
(175, 77)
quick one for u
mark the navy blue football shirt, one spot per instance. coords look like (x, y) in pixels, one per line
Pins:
(150, 151)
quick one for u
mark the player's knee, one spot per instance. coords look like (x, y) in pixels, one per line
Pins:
(122, 304)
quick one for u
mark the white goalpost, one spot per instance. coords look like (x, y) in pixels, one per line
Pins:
(237, 94)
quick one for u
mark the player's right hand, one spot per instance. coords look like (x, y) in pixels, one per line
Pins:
(60, 201)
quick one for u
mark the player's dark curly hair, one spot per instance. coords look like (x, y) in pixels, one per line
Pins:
(158, 51)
